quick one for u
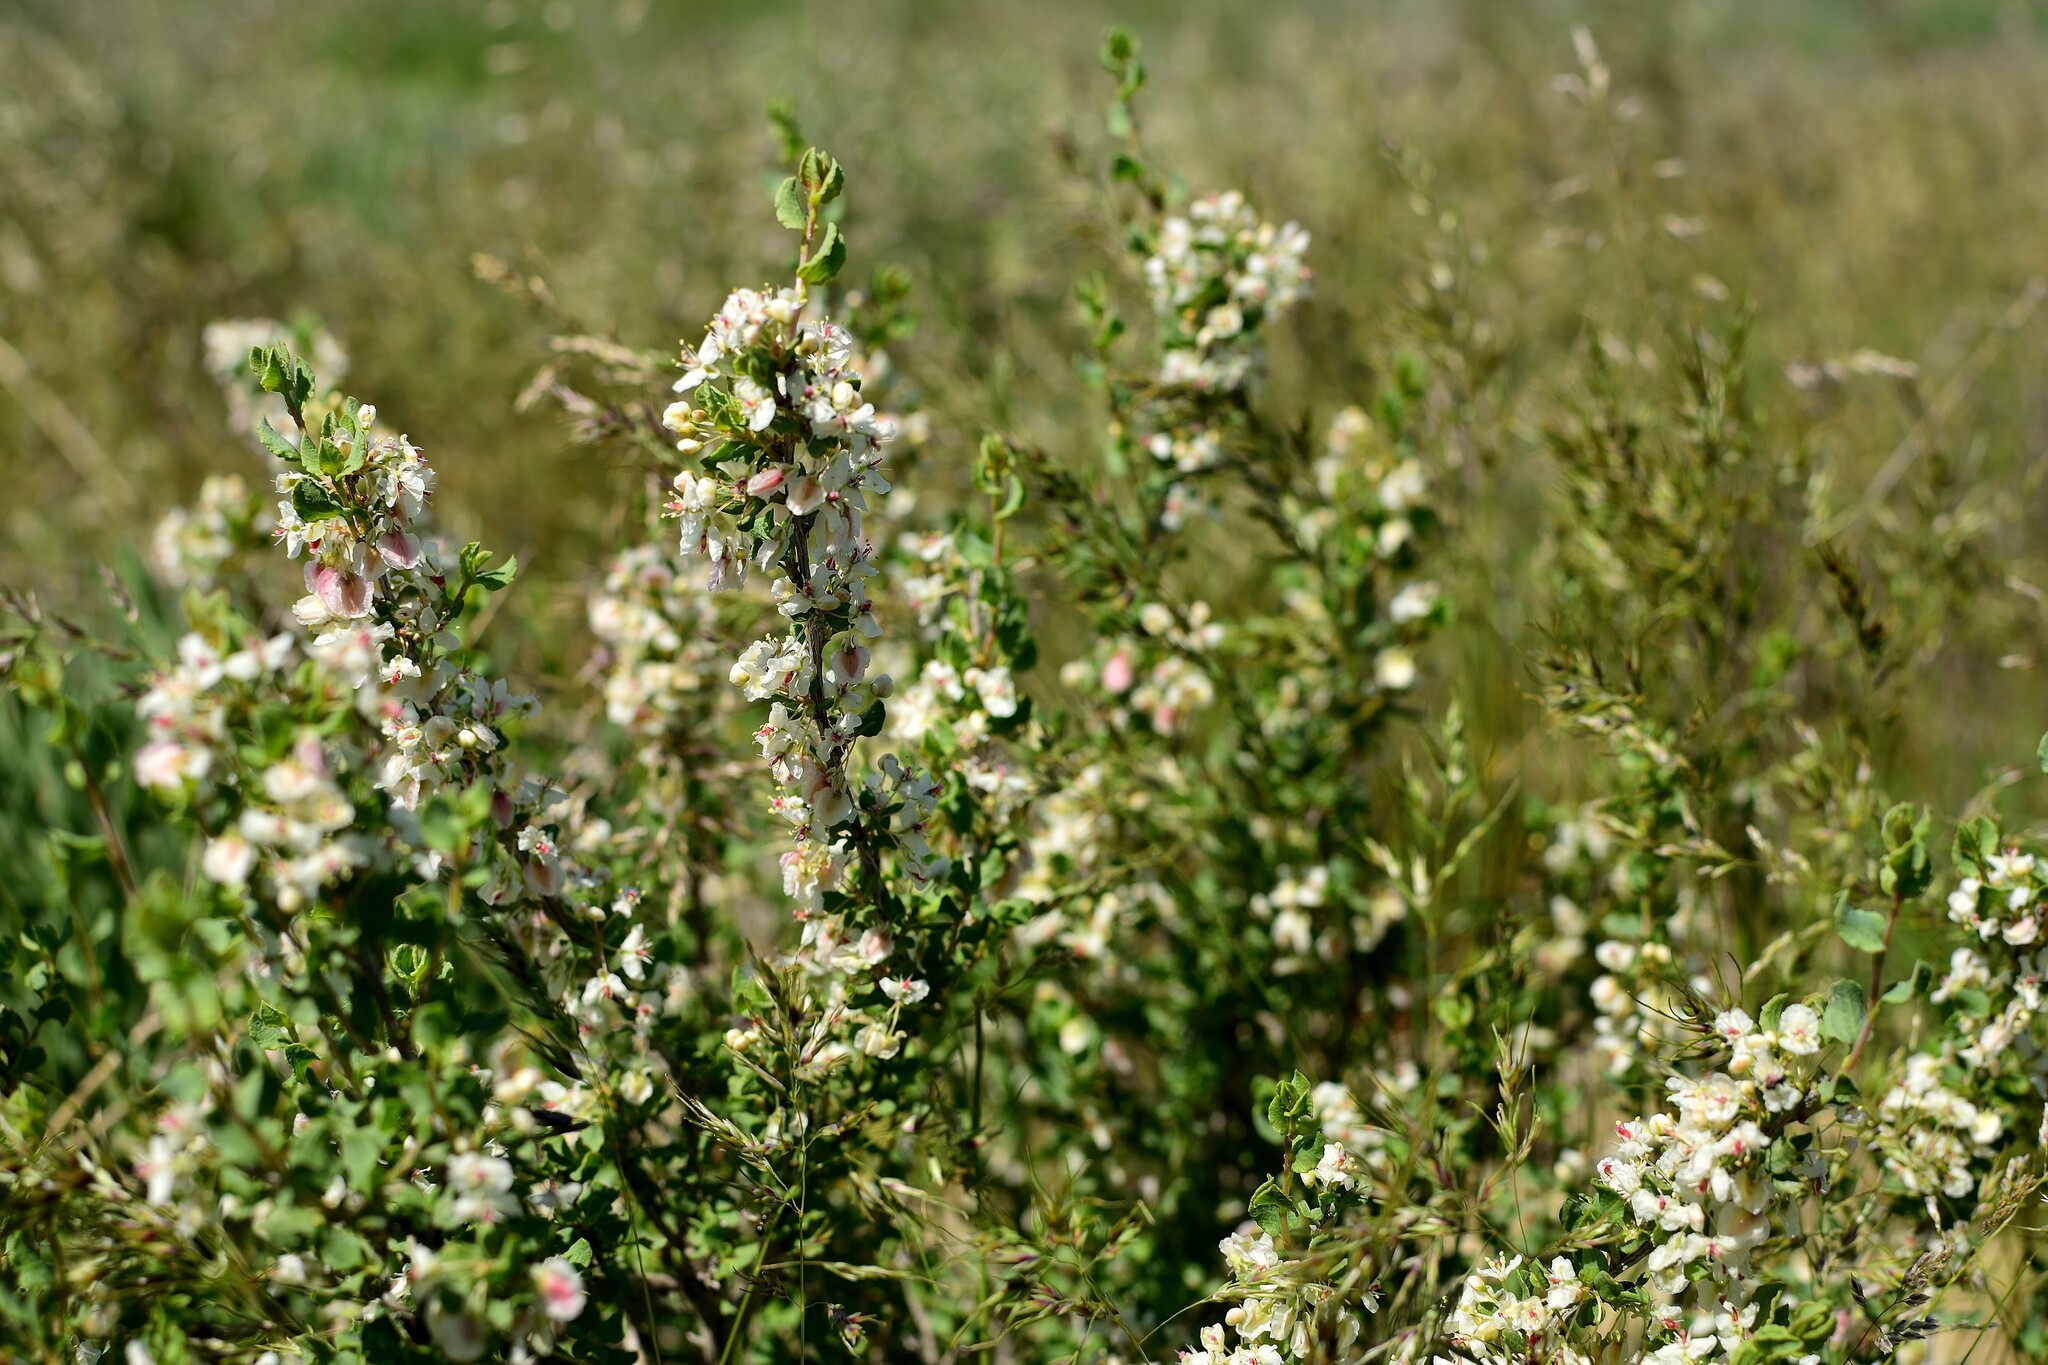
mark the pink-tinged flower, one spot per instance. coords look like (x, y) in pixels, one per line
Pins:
(399, 549)
(850, 665)
(1119, 673)
(561, 1288)
(344, 594)
(162, 763)
(805, 496)
(228, 860)
(764, 483)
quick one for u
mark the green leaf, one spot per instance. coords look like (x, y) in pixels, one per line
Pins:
(360, 1148)
(789, 205)
(1453, 1011)
(268, 366)
(434, 1024)
(285, 450)
(782, 119)
(1767, 1020)
(1813, 1321)
(873, 719)
(1972, 1003)
(331, 462)
(1862, 930)
(1975, 841)
(820, 177)
(826, 261)
(501, 577)
(1907, 868)
(270, 1028)
(835, 181)
(1842, 1017)
(442, 825)
(578, 1253)
(1903, 991)
(719, 405)
(313, 502)
(1269, 1210)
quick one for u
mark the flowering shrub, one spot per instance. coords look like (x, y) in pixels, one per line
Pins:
(843, 983)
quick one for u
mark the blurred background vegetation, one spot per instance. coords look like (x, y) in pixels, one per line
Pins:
(1866, 173)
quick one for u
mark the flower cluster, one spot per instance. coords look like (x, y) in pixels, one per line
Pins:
(1509, 1314)
(1280, 1287)
(652, 628)
(1938, 1139)
(351, 515)
(1217, 276)
(191, 545)
(2003, 902)
(1634, 999)
(1943, 1117)
(1157, 674)
(1273, 1317)
(791, 454)
(786, 442)
(1698, 1178)
(786, 453)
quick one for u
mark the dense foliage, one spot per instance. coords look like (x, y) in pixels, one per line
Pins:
(984, 894)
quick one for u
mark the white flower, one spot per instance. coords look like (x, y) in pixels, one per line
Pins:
(1733, 1025)
(1333, 1169)
(482, 1187)
(1412, 603)
(158, 1170)
(603, 988)
(1799, 1030)
(634, 953)
(998, 693)
(905, 990)
(878, 1040)
(1565, 1289)
(1404, 487)
(1394, 669)
(1615, 955)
